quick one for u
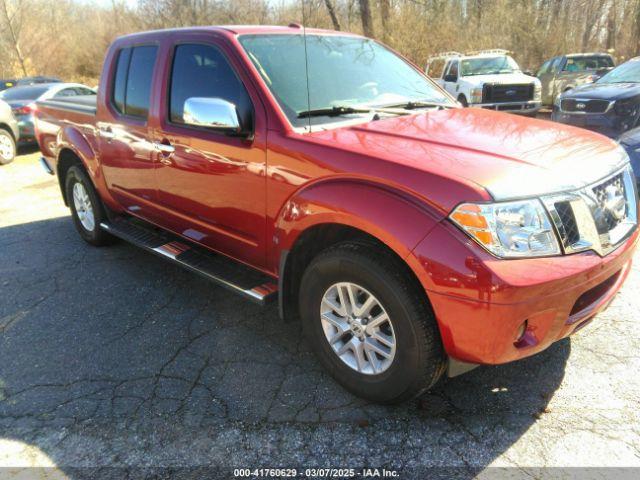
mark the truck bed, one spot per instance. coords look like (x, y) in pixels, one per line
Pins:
(77, 112)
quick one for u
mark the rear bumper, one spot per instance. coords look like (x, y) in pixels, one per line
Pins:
(481, 302)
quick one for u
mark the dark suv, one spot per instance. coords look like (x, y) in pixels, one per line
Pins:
(610, 106)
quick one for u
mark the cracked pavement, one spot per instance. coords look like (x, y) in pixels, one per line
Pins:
(110, 357)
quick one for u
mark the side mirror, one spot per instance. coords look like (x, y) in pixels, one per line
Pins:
(211, 113)
(450, 78)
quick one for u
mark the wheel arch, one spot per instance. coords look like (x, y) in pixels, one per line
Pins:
(7, 127)
(340, 211)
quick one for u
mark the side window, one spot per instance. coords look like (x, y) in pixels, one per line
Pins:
(544, 68)
(132, 80)
(67, 92)
(555, 63)
(84, 91)
(203, 71)
(139, 79)
(120, 79)
(453, 71)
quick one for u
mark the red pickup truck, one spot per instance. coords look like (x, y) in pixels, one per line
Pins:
(410, 236)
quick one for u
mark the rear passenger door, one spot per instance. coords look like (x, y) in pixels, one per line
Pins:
(126, 148)
(211, 182)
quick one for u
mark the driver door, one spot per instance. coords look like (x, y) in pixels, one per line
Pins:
(212, 184)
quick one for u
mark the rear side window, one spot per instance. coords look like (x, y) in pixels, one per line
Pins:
(203, 71)
(132, 81)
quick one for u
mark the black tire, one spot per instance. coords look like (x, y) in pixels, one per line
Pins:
(463, 101)
(6, 136)
(95, 236)
(419, 359)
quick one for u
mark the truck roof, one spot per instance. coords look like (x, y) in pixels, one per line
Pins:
(292, 28)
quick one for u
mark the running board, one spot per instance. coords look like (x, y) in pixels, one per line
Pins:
(221, 270)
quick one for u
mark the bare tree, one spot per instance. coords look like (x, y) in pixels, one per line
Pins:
(332, 13)
(365, 16)
(11, 29)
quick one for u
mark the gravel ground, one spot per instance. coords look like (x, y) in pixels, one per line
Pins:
(112, 359)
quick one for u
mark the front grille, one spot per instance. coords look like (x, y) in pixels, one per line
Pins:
(604, 193)
(497, 93)
(584, 106)
(598, 217)
(568, 220)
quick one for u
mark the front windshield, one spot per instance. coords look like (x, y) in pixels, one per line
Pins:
(488, 65)
(343, 71)
(627, 72)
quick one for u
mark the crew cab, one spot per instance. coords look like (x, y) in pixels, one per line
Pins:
(487, 79)
(411, 237)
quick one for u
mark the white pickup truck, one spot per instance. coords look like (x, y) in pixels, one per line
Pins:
(487, 79)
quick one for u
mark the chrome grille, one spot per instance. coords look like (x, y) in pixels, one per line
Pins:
(573, 105)
(598, 217)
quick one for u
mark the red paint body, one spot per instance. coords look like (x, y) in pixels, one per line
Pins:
(396, 179)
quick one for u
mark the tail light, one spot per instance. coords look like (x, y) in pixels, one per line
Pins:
(25, 110)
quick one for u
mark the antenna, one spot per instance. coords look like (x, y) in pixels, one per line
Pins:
(306, 62)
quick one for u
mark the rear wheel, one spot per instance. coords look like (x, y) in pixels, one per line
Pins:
(86, 208)
(370, 324)
(7, 147)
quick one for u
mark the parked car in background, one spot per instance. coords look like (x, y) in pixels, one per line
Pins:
(6, 83)
(37, 79)
(488, 79)
(565, 72)
(610, 105)
(9, 134)
(22, 100)
(408, 235)
(630, 141)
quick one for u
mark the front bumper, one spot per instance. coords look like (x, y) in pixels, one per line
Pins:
(529, 107)
(608, 123)
(481, 302)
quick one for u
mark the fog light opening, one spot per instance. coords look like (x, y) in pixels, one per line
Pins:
(522, 331)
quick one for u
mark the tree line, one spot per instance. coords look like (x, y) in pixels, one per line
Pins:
(68, 38)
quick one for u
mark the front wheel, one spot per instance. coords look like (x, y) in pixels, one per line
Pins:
(370, 324)
(86, 207)
(7, 147)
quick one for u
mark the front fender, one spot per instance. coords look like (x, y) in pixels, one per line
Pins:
(395, 218)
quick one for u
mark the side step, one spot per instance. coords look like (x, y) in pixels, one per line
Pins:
(221, 270)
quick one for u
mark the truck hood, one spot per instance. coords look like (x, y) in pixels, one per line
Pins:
(502, 79)
(507, 155)
(604, 91)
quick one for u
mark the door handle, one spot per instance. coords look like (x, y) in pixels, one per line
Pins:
(165, 148)
(107, 133)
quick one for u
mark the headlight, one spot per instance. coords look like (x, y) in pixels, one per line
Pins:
(509, 229)
(626, 108)
(537, 92)
(476, 95)
(557, 100)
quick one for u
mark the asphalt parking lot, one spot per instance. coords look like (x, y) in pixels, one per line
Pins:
(111, 358)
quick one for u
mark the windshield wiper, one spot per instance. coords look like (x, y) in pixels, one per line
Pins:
(414, 104)
(334, 111)
(338, 110)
